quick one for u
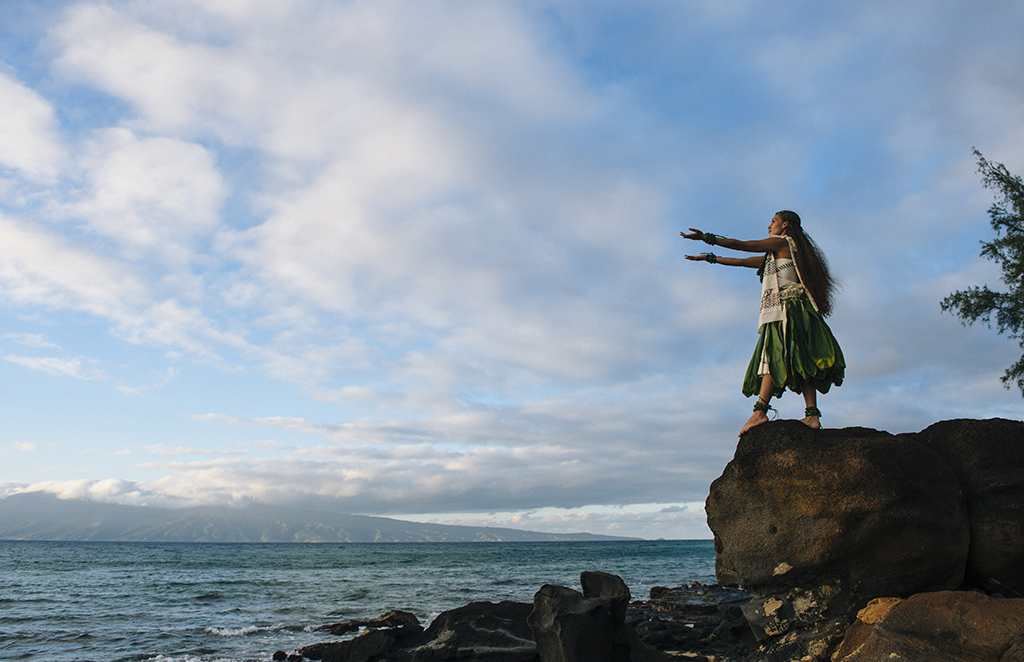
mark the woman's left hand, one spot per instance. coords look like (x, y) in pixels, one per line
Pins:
(694, 234)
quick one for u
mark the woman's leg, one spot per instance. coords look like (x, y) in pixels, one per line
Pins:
(811, 400)
(760, 415)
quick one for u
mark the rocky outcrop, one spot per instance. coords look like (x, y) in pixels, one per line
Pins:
(815, 524)
(696, 622)
(799, 507)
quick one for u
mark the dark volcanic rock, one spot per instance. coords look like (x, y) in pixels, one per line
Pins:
(363, 648)
(695, 622)
(590, 627)
(479, 631)
(988, 460)
(948, 626)
(798, 506)
(802, 623)
(571, 628)
(392, 619)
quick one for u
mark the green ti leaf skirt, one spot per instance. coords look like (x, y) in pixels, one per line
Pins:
(807, 351)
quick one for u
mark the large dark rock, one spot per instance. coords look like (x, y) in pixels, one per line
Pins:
(988, 460)
(570, 626)
(802, 507)
(363, 648)
(480, 631)
(477, 632)
(948, 626)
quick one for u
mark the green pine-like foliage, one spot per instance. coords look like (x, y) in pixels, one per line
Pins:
(982, 303)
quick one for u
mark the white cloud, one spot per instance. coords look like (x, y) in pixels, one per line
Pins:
(109, 490)
(160, 449)
(42, 268)
(28, 134)
(152, 194)
(30, 340)
(685, 521)
(57, 366)
(168, 81)
(163, 380)
(25, 446)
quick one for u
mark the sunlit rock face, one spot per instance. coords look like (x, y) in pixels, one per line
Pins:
(947, 625)
(883, 514)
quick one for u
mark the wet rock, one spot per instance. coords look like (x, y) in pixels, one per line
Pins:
(391, 619)
(694, 622)
(802, 507)
(946, 626)
(479, 631)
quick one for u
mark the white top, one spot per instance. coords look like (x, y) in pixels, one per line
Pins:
(786, 270)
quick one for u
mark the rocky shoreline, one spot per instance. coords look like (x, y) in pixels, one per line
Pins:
(850, 545)
(696, 622)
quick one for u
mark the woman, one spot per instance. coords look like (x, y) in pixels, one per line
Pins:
(796, 349)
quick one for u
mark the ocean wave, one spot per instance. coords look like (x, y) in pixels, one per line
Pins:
(241, 631)
(188, 658)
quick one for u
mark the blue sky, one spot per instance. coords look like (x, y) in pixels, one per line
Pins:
(422, 259)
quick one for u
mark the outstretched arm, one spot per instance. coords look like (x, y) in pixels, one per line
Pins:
(777, 245)
(752, 262)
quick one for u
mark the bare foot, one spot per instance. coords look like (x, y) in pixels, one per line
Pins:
(811, 422)
(757, 418)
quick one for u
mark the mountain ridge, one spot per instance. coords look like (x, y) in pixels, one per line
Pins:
(42, 516)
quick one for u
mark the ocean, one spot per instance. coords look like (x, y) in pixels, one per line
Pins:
(199, 602)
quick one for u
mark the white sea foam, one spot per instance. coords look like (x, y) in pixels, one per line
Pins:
(239, 632)
(186, 658)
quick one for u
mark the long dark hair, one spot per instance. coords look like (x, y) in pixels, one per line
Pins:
(811, 263)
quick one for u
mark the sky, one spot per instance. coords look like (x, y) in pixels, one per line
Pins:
(422, 259)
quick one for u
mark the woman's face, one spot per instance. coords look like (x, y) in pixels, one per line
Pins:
(777, 226)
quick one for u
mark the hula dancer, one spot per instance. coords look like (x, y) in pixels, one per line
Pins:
(796, 349)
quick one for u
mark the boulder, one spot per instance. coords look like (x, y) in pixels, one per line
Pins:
(946, 626)
(987, 458)
(478, 631)
(570, 626)
(802, 507)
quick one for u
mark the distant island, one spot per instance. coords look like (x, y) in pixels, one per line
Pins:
(44, 516)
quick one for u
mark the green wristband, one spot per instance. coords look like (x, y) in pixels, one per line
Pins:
(710, 239)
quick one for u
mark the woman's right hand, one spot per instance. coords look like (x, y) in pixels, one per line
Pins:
(694, 234)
